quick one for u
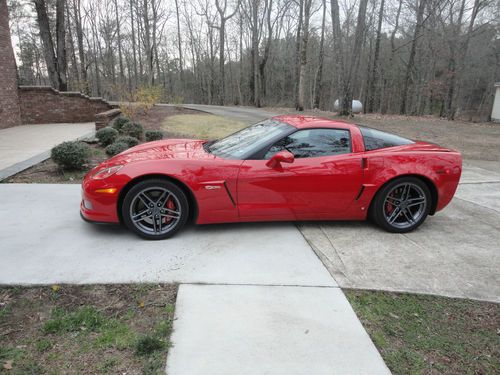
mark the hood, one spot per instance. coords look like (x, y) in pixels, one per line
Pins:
(183, 149)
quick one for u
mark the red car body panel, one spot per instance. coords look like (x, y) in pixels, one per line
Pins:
(338, 187)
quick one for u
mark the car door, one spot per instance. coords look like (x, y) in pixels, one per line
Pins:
(322, 181)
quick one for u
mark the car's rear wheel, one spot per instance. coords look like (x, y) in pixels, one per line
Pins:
(402, 205)
(155, 209)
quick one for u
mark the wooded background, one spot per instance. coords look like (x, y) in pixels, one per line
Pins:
(438, 57)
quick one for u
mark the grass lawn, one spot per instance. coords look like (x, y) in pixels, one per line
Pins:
(421, 334)
(96, 329)
(200, 126)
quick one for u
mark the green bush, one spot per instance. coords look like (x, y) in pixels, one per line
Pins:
(131, 141)
(133, 129)
(71, 155)
(153, 135)
(115, 148)
(106, 135)
(146, 345)
(118, 122)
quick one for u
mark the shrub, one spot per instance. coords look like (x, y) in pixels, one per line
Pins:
(118, 122)
(133, 129)
(115, 148)
(106, 135)
(71, 155)
(131, 141)
(146, 345)
(153, 135)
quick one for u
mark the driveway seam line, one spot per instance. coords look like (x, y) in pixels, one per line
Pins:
(264, 285)
(479, 182)
(477, 204)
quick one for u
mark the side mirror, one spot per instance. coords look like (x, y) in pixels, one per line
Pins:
(280, 157)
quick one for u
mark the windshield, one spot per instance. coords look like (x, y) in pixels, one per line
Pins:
(244, 143)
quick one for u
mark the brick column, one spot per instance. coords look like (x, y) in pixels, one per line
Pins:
(9, 101)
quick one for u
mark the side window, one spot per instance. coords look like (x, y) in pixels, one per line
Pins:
(376, 139)
(310, 143)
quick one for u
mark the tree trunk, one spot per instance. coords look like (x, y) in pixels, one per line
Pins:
(134, 52)
(222, 74)
(47, 42)
(62, 65)
(303, 54)
(347, 89)
(147, 43)
(81, 52)
(119, 42)
(337, 50)
(179, 43)
(319, 74)
(458, 65)
(411, 59)
(74, 64)
(298, 54)
(385, 99)
(375, 70)
(255, 51)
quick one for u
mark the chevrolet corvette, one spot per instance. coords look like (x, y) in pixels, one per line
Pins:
(285, 168)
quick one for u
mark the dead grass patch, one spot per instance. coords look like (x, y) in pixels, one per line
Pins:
(201, 126)
(423, 334)
(83, 329)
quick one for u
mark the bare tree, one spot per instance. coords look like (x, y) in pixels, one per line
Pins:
(303, 53)
(375, 70)
(221, 6)
(350, 72)
(399, 56)
(321, 58)
(56, 64)
(411, 59)
(179, 42)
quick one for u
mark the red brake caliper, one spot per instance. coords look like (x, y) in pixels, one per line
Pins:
(171, 206)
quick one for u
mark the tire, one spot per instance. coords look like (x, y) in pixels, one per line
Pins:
(402, 205)
(155, 209)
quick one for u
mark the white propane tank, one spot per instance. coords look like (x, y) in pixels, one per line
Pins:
(357, 106)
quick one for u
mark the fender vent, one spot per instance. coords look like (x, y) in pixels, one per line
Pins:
(360, 192)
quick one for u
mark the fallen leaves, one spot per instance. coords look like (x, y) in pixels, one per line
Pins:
(8, 365)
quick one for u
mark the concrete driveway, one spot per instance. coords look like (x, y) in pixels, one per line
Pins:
(270, 306)
(454, 253)
(26, 145)
(47, 242)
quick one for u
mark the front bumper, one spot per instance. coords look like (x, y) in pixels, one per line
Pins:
(99, 207)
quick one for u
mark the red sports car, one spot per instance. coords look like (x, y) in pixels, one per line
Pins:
(284, 168)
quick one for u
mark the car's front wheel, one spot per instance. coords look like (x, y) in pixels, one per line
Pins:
(402, 205)
(155, 209)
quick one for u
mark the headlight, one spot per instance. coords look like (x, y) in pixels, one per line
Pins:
(106, 172)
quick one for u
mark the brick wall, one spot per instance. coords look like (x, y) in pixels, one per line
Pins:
(9, 102)
(43, 105)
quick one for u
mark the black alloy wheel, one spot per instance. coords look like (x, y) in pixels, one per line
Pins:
(402, 205)
(155, 209)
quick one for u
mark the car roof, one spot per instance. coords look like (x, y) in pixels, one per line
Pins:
(304, 122)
